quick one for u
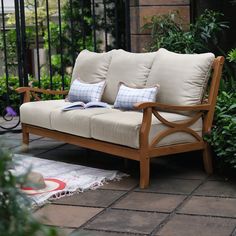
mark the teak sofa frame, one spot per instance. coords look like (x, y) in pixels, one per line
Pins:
(146, 150)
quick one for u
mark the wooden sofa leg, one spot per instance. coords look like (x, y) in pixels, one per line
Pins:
(207, 159)
(144, 172)
(25, 135)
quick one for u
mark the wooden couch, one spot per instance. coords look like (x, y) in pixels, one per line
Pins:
(175, 123)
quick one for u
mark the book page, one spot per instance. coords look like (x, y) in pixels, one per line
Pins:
(97, 104)
(73, 106)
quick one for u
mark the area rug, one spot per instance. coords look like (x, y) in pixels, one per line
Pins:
(66, 178)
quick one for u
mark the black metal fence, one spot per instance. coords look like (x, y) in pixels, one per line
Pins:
(40, 39)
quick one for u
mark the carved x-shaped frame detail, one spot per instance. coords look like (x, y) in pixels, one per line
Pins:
(175, 127)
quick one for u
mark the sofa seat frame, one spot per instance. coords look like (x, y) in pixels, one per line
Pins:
(147, 150)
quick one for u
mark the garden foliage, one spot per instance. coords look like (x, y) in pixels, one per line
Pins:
(13, 83)
(16, 218)
(168, 31)
(223, 135)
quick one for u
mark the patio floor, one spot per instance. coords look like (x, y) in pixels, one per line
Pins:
(181, 200)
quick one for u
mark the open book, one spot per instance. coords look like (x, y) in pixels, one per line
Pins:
(82, 105)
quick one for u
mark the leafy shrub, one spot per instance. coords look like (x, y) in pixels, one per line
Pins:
(13, 83)
(223, 134)
(10, 46)
(56, 84)
(16, 219)
(167, 31)
(232, 55)
(14, 98)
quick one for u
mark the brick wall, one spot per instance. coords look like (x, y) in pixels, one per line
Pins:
(147, 8)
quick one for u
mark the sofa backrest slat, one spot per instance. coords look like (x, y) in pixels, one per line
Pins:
(213, 91)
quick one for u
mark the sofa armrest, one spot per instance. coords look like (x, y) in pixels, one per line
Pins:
(149, 109)
(167, 107)
(31, 92)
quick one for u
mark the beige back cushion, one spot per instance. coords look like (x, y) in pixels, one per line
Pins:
(91, 67)
(129, 68)
(182, 77)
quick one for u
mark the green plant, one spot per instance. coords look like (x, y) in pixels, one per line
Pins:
(223, 134)
(70, 40)
(9, 94)
(232, 55)
(56, 84)
(30, 33)
(13, 83)
(16, 218)
(168, 31)
(229, 82)
(10, 37)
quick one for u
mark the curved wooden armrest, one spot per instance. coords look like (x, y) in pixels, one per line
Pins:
(167, 107)
(28, 92)
(149, 110)
(38, 90)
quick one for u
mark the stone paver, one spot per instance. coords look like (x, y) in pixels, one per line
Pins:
(28, 152)
(210, 206)
(70, 156)
(44, 144)
(217, 188)
(127, 221)
(99, 198)
(191, 174)
(175, 186)
(18, 136)
(11, 143)
(181, 200)
(150, 202)
(186, 225)
(177, 172)
(64, 231)
(66, 216)
(69, 147)
(97, 233)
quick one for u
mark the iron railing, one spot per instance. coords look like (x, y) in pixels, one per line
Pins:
(40, 40)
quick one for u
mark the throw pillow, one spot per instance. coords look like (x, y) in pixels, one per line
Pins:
(128, 96)
(85, 92)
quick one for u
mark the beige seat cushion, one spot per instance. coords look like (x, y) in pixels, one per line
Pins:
(91, 67)
(48, 114)
(129, 68)
(77, 122)
(123, 128)
(182, 77)
(39, 113)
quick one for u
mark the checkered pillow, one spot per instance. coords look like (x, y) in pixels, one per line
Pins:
(128, 96)
(84, 92)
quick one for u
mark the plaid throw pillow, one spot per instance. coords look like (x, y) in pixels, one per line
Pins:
(84, 92)
(128, 96)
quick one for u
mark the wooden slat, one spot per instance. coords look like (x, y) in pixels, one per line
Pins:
(38, 90)
(168, 107)
(215, 83)
(90, 143)
(174, 149)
